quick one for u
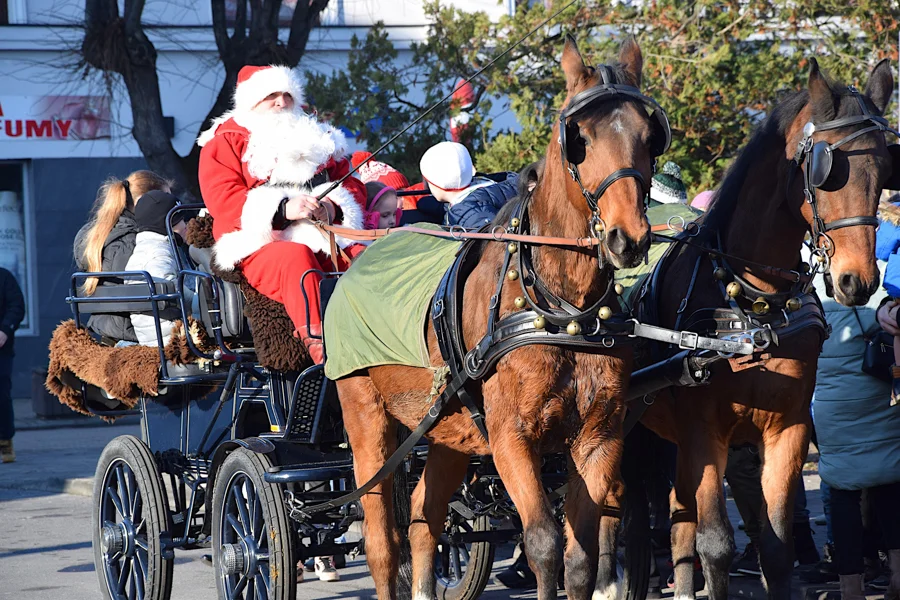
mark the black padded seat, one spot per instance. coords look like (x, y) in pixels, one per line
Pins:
(231, 300)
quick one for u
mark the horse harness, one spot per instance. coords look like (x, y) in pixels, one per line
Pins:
(815, 160)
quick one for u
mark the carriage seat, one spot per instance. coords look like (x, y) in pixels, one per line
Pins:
(231, 300)
(168, 309)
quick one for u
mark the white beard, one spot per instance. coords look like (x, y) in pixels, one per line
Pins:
(288, 147)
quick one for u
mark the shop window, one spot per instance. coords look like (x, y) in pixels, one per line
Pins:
(4, 12)
(15, 251)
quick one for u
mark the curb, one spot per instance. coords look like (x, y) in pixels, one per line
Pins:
(75, 486)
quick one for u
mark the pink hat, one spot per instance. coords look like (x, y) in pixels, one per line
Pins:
(378, 171)
(254, 84)
(702, 200)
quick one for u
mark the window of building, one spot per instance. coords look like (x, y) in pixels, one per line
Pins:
(4, 13)
(15, 248)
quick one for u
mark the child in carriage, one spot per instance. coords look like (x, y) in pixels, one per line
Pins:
(382, 206)
(153, 253)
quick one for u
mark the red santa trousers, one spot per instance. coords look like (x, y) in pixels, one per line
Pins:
(276, 270)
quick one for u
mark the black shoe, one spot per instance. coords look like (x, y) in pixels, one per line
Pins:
(746, 563)
(821, 572)
(518, 576)
(804, 545)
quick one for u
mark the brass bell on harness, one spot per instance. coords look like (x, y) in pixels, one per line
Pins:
(512, 247)
(733, 289)
(520, 302)
(761, 306)
(604, 313)
(720, 273)
(539, 323)
(620, 289)
(514, 222)
(820, 258)
(793, 304)
(512, 275)
(573, 328)
(598, 227)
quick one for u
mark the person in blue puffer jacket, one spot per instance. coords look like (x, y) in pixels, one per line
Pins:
(887, 248)
(474, 200)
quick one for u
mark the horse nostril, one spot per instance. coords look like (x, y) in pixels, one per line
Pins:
(849, 285)
(616, 240)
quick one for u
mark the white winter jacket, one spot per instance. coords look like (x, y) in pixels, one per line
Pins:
(153, 254)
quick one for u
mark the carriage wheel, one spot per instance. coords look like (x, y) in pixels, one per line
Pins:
(462, 570)
(130, 513)
(251, 538)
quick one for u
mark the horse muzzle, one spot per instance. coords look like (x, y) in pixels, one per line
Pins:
(850, 289)
(625, 252)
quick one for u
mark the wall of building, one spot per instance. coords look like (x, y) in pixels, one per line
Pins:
(40, 80)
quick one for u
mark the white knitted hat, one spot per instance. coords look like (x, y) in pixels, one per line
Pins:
(447, 166)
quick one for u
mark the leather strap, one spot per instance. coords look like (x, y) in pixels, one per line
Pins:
(688, 340)
(370, 235)
(399, 455)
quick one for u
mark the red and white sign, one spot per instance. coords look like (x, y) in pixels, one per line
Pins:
(59, 118)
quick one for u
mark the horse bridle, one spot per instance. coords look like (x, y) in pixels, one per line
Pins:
(608, 90)
(815, 159)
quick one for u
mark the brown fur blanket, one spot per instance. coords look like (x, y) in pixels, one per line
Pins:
(889, 211)
(273, 332)
(125, 373)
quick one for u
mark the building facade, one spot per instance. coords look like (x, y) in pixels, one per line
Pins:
(62, 133)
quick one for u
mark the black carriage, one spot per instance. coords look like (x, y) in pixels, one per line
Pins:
(253, 463)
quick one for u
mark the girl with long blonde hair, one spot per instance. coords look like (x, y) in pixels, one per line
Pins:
(106, 241)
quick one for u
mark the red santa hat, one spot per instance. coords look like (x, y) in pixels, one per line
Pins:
(378, 171)
(254, 84)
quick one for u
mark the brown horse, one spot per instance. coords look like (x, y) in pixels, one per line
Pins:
(761, 216)
(538, 399)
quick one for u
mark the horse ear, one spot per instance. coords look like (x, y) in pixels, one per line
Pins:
(821, 98)
(881, 85)
(632, 60)
(572, 65)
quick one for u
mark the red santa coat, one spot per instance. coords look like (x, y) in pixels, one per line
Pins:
(243, 180)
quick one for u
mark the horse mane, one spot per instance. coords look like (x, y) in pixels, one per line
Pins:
(772, 132)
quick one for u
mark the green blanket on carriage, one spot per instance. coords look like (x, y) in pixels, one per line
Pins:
(377, 313)
(660, 214)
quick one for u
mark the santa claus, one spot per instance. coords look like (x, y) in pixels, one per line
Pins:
(262, 166)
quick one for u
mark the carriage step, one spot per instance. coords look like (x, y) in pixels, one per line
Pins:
(307, 404)
(325, 471)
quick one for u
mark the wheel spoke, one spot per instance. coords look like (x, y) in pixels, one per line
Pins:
(242, 508)
(257, 517)
(251, 588)
(141, 542)
(124, 569)
(120, 482)
(116, 501)
(137, 578)
(133, 491)
(454, 559)
(132, 585)
(232, 520)
(262, 591)
(241, 584)
(465, 552)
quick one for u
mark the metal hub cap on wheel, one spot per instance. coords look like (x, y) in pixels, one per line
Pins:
(233, 559)
(112, 539)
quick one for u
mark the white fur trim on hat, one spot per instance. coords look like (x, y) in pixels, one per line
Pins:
(268, 81)
(448, 166)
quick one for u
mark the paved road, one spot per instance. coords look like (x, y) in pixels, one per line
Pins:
(45, 548)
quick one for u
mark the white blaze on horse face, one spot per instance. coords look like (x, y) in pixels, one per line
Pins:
(617, 125)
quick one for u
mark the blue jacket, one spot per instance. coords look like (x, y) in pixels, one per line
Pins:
(480, 205)
(887, 243)
(857, 428)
